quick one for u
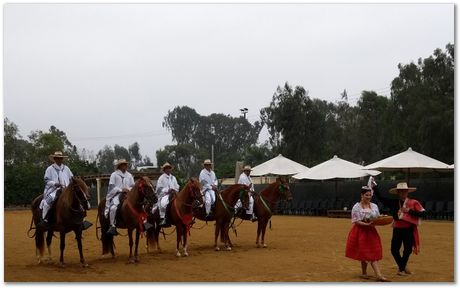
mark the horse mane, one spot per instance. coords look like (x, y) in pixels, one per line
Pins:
(133, 195)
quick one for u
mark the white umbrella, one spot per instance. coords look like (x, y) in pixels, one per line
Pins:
(409, 161)
(335, 168)
(451, 166)
(279, 165)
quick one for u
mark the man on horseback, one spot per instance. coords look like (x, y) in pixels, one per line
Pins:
(57, 178)
(208, 183)
(166, 187)
(246, 179)
(121, 181)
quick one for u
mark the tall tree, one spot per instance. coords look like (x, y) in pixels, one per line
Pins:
(423, 98)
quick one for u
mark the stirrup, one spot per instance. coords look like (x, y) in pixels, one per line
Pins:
(147, 226)
(86, 224)
(112, 231)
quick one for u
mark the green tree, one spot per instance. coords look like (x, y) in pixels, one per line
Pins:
(423, 99)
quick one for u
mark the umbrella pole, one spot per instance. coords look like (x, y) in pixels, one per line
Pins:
(408, 176)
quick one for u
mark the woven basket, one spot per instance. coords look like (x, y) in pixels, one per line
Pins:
(382, 220)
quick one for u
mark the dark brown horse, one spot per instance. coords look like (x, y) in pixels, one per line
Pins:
(67, 214)
(180, 212)
(224, 211)
(130, 215)
(265, 205)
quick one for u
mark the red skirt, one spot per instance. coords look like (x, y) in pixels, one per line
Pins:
(363, 244)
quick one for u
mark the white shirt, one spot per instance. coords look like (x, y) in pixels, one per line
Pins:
(56, 174)
(358, 213)
(207, 179)
(166, 182)
(118, 181)
(245, 179)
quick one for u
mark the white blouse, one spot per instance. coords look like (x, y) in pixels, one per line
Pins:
(358, 213)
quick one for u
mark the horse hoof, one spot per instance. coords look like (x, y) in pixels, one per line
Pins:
(185, 254)
(178, 254)
(229, 248)
(265, 246)
(84, 265)
(258, 245)
(217, 249)
(61, 265)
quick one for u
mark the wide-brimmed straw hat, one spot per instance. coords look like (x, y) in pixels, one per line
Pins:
(57, 154)
(402, 186)
(166, 165)
(247, 168)
(207, 162)
(119, 162)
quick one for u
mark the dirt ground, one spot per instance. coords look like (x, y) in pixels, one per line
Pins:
(300, 249)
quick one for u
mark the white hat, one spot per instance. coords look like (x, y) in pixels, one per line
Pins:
(166, 165)
(57, 154)
(247, 168)
(119, 162)
(207, 162)
(402, 186)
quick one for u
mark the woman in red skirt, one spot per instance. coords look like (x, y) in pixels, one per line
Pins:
(363, 243)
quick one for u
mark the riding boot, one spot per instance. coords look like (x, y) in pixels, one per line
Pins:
(147, 225)
(253, 218)
(86, 224)
(164, 223)
(44, 224)
(112, 231)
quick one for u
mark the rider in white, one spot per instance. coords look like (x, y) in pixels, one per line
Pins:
(166, 186)
(57, 178)
(121, 181)
(208, 183)
(246, 179)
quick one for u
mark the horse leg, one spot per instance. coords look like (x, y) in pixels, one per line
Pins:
(49, 238)
(131, 242)
(179, 238)
(80, 248)
(136, 256)
(226, 237)
(264, 226)
(185, 241)
(259, 230)
(157, 237)
(62, 246)
(216, 235)
(39, 244)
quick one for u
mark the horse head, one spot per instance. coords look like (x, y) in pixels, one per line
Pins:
(81, 192)
(283, 188)
(194, 191)
(143, 191)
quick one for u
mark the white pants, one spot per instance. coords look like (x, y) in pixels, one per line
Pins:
(111, 207)
(162, 204)
(250, 209)
(209, 199)
(47, 202)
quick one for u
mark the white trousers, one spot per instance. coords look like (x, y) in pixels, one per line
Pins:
(111, 207)
(250, 209)
(209, 199)
(163, 203)
(47, 202)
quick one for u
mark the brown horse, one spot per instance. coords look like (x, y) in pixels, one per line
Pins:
(66, 214)
(265, 205)
(224, 211)
(180, 212)
(130, 215)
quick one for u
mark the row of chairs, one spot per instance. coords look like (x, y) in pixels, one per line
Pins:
(439, 210)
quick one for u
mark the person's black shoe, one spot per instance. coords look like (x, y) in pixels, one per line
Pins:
(147, 226)
(254, 218)
(43, 225)
(86, 224)
(112, 231)
(162, 222)
(208, 217)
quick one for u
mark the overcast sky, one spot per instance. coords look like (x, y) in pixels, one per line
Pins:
(109, 73)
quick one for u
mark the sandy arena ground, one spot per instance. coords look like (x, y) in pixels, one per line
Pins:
(300, 249)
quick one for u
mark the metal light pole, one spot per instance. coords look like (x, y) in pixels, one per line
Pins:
(244, 111)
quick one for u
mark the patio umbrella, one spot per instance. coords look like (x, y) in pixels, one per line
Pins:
(335, 168)
(279, 165)
(409, 161)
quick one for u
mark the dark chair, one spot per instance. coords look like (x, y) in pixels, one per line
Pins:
(322, 209)
(429, 208)
(450, 211)
(439, 210)
(300, 208)
(339, 205)
(307, 208)
(315, 207)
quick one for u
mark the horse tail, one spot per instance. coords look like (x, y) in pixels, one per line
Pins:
(106, 239)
